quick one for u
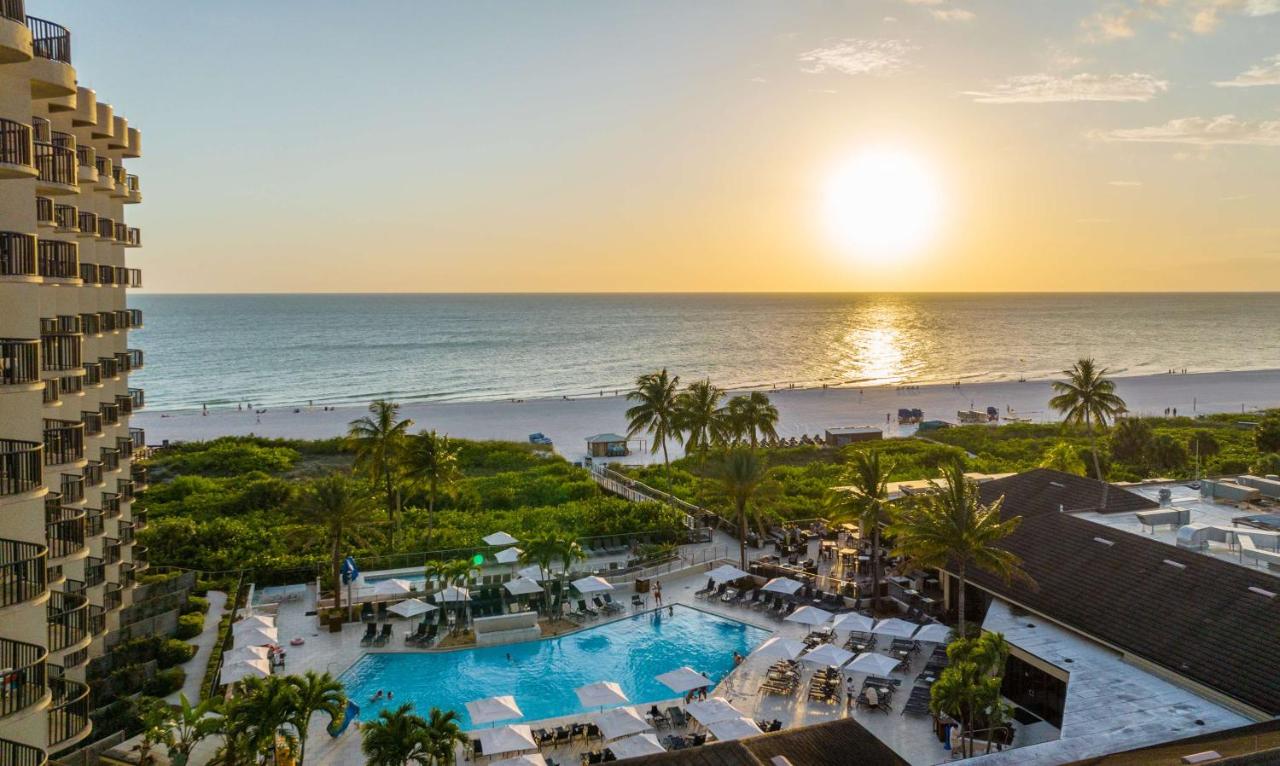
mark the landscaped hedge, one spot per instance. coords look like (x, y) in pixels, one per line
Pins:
(234, 596)
(165, 682)
(196, 604)
(190, 625)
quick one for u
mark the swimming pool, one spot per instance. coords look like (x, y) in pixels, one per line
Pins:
(542, 674)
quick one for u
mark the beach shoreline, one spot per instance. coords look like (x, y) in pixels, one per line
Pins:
(569, 421)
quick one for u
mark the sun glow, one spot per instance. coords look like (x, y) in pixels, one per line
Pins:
(883, 202)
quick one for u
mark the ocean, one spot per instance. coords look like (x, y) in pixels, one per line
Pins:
(275, 350)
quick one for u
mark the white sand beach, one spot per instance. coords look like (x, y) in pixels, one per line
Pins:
(570, 422)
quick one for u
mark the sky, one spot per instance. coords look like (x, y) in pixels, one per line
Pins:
(589, 146)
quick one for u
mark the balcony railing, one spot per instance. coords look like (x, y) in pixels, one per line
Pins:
(128, 577)
(41, 129)
(110, 414)
(133, 277)
(16, 753)
(52, 392)
(68, 616)
(86, 156)
(139, 519)
(25, 673)
(110, 459)
(121, 233)
(95, 572)
(20, 466)
(66, 218)
(125, 531)
(58, 259)
(92, 473)
(63, 139)
(23, 571)
(97, 620)
(111, 505)
(57, 164)
(138, 472)
(110, 370)
(63, 441)
(89, 273)
(132, 182)
(124, 403)
(93, 522)
(139, 398)
(135, 358)
(121, 177)
(87, 222)
(93, 373)
(15, 143)
(110, 550)
(106, 320)
(65, 529)
(132, 318)
(17, 254)
(60, 351)
(19, 361)
(106, 227)
(44, 211)
(90, 324)
(125, 488)
(139, 438)
(133, 237)
(113, 596)
(71, 384)
(62, 323)
(49, 40)
(69, 716)
(125, 445)
(72, 487)
(140, 558)
(13, 10)
(92, 422)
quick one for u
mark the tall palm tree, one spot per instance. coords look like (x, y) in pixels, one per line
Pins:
(262, 713)
(740, 473)
(445, 734)
(702, 419)
(337, 504)
(190, 725)
(396, 738)
(154, 715)
(541, 550)
(317, 692)
(379, 439)
(567, 551)
(754, 417)
(432, 460)
(865, 499)
(1088, 398)
(951, 526)
(655, 412)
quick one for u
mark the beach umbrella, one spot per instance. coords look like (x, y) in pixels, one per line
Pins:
(256, 621)
(256, 637)
(453, 593)
(873, 664)
(528, 759)
(895, 628)
(392, 587)
(780, 648)
(809, 615)
(828, 655)
(238, 671)
(784, 585)
(852, 621)
(412, 608)
(522, 587)
(592, 584)
(243, 653)
(535, 573)
(726, 573)
(636, 746)
(620, 722)
(685, 679)
(934, 633)
(508, 555)
(507, 739)
(601, 694)
(734, 728)
(500, 538)
(492, 709)
(711, 710)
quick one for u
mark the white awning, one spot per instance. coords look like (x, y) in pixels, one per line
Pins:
(780, 648)
(522, 587)
(827, 655)
(256, 637)
(809, 615)
(453, 593)
(726, 573)
(895, 628)
(636, 746)
(500, 538)
(412, 608)
(711, 710)
(392, 587)
(620, 722)
(238, 671)
(592, 584)
(852, 621)
(784, 585)
(507, 739)
(508, 555)
(242, 653)
(873, 664)
(934, 633)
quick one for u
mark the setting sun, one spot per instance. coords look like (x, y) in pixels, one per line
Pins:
(882, 202)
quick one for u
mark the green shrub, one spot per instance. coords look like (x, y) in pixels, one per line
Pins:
(196, 604)
(165, 682)
(174, 652)
(189, 626)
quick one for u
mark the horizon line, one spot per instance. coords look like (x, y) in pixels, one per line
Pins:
(144, 293)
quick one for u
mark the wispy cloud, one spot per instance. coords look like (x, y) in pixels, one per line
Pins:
(1050, 88)
(855, 57)
(1266, 73)
(924, 2)
(1126, 184)
(1200, 131)
(1120, 20)
(953, 14)
(1206, 15)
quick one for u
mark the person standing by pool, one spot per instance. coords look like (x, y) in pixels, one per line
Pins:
(657, 593)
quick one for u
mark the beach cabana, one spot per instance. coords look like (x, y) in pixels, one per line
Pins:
(256, 637)
(592, 584)
(491, 709)
(784, 585)
(683, 680)
(711, 710)
(601, 694)
(256, 621)
(780, 648)
(873, 664)
(244, 653)
(734, 728)
(809, 615)
(392, 587)
(535, 573)
(412, 608)
(827, 655)
(500, 538)
(895, 628)
(726, 573)
(621, 722)
(607, 445)
(636, 746)
(507, 739)
(522, 587)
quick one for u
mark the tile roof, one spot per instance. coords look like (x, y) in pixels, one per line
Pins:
(834, 743)
(1043, 490)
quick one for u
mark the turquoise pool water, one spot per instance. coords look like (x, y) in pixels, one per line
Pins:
(542, 675)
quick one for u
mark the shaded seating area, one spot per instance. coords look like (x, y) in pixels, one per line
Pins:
(824, 686)
(782, 678)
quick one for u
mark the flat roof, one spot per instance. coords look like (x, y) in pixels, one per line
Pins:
(605, 438)
(855, 430)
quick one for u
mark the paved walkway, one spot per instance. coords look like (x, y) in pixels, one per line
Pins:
(196, 666)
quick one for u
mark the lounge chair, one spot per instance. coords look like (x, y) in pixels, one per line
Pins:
(366, 612)
(612, 605)
(636, 601)
(384, 636)
(582, 607)
(711, 585)
(677, 716)
(370, 633)
(417, 635)
(698, 740)
(382, 611)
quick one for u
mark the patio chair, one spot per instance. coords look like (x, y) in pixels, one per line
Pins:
(382, 611)
(370, 633)
(595, 756)
(416, 635)
(698, 740)
(366, 612)
(582, 607)
(677, 716)
(710, 586)
(656, 717)
(384, 635)
(636, 601)
(542, 736)
(563, 736)
(593, 731)
(611, 605)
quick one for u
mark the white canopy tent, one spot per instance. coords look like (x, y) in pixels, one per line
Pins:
(684, 679)
(528, 759)
(592, 584)
(256, 621)
(412, 608)
(853, 621)
(784, 585)
(873, 664)
(508, 555)
(256, 637)
(500, 538)
(934, 633)
(809, 615)
(242, 653)
(522, 587)
(601, 694)
(453, 594)
(621, 722)
(895, 628)
(507, 739)
(828, 655)
(238, 671)
(535, 573)
(392, 586)
(492, 709)
(726, 573)
(712, 710)
(780, 648)
(635, 746)
(734, 728)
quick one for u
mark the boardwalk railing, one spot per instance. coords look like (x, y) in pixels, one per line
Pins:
(638, 492)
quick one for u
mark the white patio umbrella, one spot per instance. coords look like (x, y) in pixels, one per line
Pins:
(500, 538)
(507, 739)
(853, 621)
(828, 655)
(528, 759)
(711, 710)
(412, 607)
(592, 584)
(784, 585)
(601, 694)
(895, 628)
(522, 587)
(873, 664)
(243, 653)
(620, 722)
(780, 648)
(734, 728)
(508, 555)
(934, 632)
(392, 587)
(453, 593)
(492, 709)
(238, 671)
(809, 615)
(535, 573)
(636, 746)
(726, 573)
(256, 621)
(256, 637)
(682, 680)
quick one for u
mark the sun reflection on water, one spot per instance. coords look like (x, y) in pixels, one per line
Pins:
(881, 346)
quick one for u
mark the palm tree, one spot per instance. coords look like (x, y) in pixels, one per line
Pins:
(1087, 398)
(1063, 457)
(541, 550)
(398, 737)
(754, 417)
(444, 734)
(740, 473)
(566, 550)
(700, 416)
(379, 439)
(655, 413)
(951, 526)
(865, 500)
(337, 504)
(154, 716)
(190, 725)
(261, 714)
(317, 692)
(433, 461)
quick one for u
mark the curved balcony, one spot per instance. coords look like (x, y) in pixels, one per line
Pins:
(86, 164)
(52, 394)
(60, 350)
(71, 385)
(110, 414)
(17, 254)
(93, 522)
(90, 324)
(57, 169)
(120, 179)
(92, 474)
(125, 445)
(15, 46)
(29, 674)
(135, 190)
(140, 558)
(63, 441)
(92, 422)
(18, 754)
(16, 150)
(72, 487)
(95, 572)
(139, 398)
(19, 361)
(51, 72)
(23, 572)
(97, 620)
(113, 596)
(20, 467)
(134, 355)
(126, 489)
(87, 224)
(110, 504)
(93, 374)
(68, 618)
(110, 459)
(44, 213)
(65, 529)
(66, 219)
(110, 370)
(106, 228)
(106, 175)
(69, 715)
(57, 259)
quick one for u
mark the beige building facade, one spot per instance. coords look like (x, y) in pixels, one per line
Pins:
(67, 454)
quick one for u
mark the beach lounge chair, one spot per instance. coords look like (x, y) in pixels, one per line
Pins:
(370, 633)
(366, 612)
(582, 607)
(711, 585)
(729, 595)
(384, 636)
(416, 635)
(677, 717)
(612, 605)
(382, 611)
